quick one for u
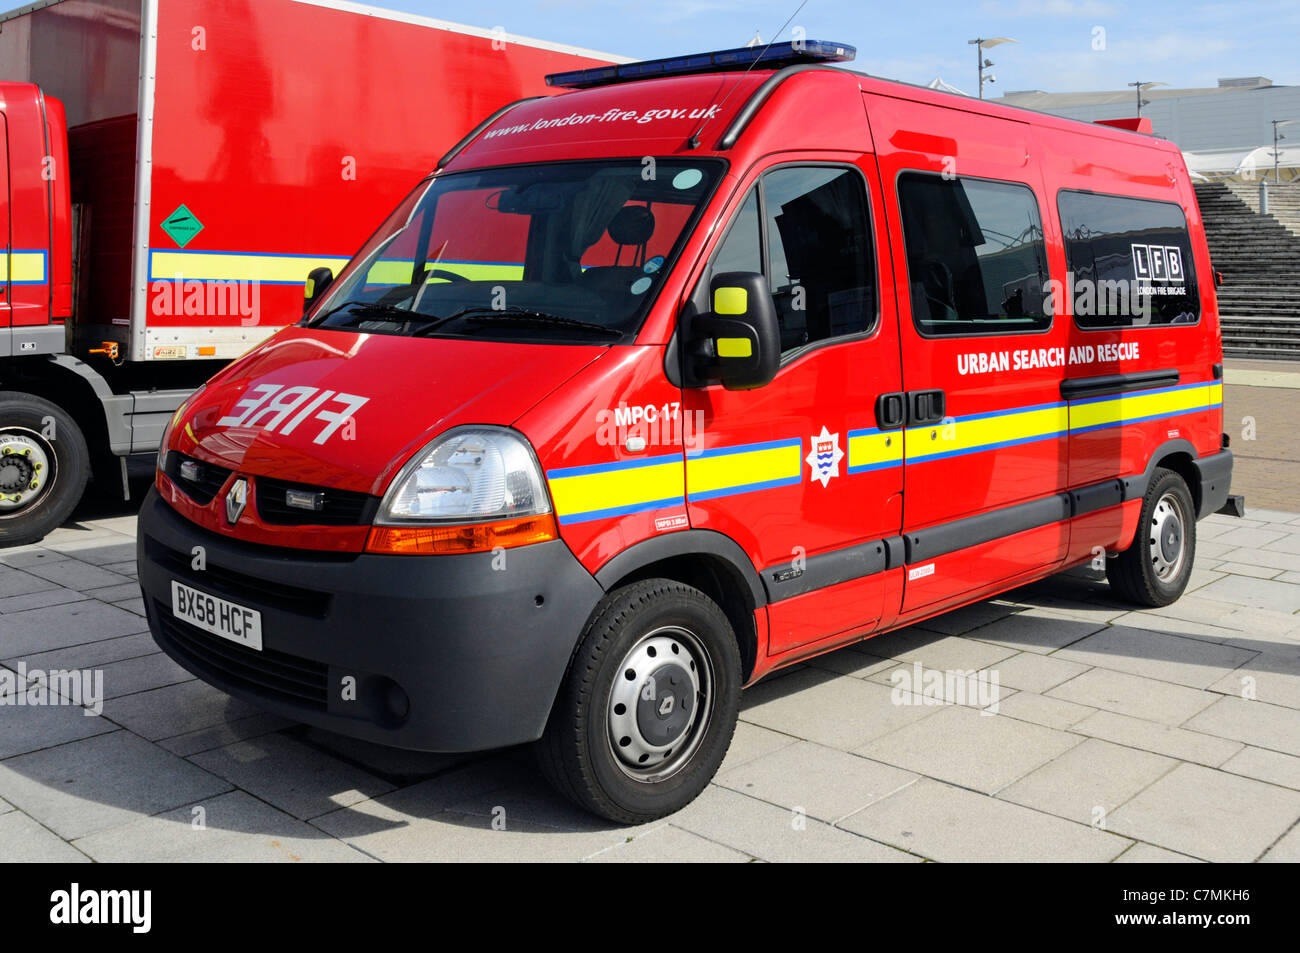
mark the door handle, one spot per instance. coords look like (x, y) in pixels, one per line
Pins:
(891, 410)
(925, 407)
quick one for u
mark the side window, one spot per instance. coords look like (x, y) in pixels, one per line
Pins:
(976, 261)
(820, 263)
(1130, 260)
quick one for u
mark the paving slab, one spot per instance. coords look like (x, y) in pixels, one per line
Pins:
(971, 749)
(26, 728)
(822, 782)
(752, 741)
(176, 710)
(289, 775)
(75, 574)
(776, 834)
(1251, 722)
(1035, 631)
(1134, 695)
(1209, 814)
(73, 623)
(1032, 672)
(1268, 678)
(946, 823)
(23, 841)
(1088, 782)
(232, 827)
(1151, 736)
(1286, 850)
(838, 712)
(668, 844)
(130, 777)
(1264, 765)
(1156, 655)
(1262, 593)
(1147, 854)
(1042, 710)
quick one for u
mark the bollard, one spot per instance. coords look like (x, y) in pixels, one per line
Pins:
(1263, 196)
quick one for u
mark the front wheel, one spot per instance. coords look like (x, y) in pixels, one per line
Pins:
(648, 706)
(44, 466)
(1154, 570)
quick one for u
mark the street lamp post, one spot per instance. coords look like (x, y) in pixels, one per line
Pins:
(1276, 137)
(980, 43)
(1141, 88)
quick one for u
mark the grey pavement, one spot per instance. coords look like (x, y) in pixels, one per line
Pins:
(1167, 735)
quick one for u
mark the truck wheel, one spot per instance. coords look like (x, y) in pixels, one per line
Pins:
(44, 466)
(648, 706)
(1154, 570)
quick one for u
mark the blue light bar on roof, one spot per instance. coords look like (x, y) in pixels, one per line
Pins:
(772, 57)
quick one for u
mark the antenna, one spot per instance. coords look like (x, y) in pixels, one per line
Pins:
(693, 141)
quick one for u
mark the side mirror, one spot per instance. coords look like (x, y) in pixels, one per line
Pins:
(739, 342)
(317, 281)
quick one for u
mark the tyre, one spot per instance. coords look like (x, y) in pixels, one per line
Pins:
(44, 466)
(1154, 570)
(648, 706)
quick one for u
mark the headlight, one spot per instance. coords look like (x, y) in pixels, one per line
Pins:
(470, 490)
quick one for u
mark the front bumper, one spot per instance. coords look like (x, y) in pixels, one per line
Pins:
(442, 653)
(1215, 472)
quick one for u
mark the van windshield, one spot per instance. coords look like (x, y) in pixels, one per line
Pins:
(556, 253)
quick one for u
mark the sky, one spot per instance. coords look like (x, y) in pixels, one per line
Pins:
(1064, 45)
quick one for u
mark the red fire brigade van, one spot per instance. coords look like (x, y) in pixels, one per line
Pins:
(697, 370)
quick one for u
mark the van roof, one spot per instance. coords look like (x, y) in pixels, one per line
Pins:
(703, 113)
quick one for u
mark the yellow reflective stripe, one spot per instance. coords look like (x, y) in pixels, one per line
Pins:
(986, 432)
(398, 272)
(722, 471)
(28, 267)
(219, 266)
(598, 492)
(730, 301)
(735, 347)
(874, 450)
(1144, 405)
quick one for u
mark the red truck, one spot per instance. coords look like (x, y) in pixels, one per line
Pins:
(171, 171)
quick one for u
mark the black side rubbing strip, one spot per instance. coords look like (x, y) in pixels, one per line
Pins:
(1076, 388)
(925, 544)
(1089, 499)
(786, 580)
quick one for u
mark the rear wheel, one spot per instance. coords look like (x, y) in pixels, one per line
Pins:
(44, 466)
(1154, 570)
(649, 704)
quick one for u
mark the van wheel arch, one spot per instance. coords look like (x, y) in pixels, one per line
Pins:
(705, 560)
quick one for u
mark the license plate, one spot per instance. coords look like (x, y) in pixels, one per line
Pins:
(226, 619)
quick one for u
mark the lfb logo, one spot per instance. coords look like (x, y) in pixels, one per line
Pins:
(1158, 263)
(825, 456)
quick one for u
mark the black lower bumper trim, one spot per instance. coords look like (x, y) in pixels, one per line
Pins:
(435, 653)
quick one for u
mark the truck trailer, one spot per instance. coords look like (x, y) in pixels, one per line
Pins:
(171, 171)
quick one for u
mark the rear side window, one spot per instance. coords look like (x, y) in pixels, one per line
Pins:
(807, 228)
(976, 261)
(1130, 261)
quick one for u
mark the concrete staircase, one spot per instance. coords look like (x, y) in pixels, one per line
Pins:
(1283, 201)
(1259, 301)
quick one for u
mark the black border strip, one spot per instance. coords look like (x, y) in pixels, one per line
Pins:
(1076, 388)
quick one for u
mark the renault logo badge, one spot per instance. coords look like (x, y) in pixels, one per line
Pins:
(666, 706)
(236, 500)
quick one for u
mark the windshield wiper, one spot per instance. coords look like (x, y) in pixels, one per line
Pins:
(526, 317)
(374, 309)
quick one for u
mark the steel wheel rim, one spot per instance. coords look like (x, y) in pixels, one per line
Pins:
(1167, 537)
(643, 699)
(28, 469)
